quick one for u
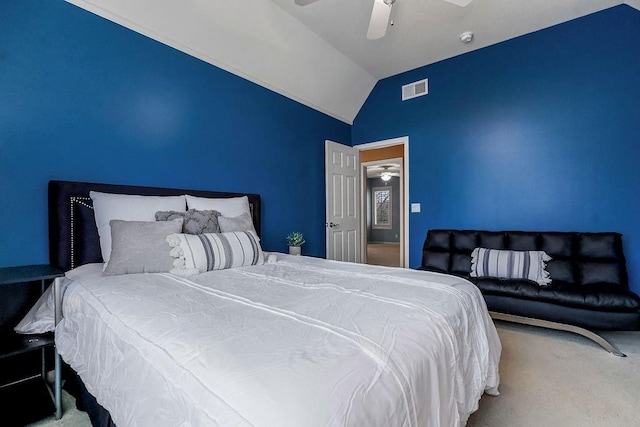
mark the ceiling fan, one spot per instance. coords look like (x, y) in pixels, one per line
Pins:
(381, 13)
(384, 172)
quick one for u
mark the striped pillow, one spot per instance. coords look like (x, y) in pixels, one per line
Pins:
(197, 253)
(507, 264)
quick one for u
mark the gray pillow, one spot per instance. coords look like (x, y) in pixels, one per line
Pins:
(241, 222)
(195, 222)
(141, 246)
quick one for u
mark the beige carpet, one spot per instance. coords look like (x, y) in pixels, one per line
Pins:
(551, 378)
(71, 417)
(387, 254)
(547, 379)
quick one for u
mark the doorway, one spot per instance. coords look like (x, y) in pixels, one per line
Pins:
(382, 207)
(386, 217)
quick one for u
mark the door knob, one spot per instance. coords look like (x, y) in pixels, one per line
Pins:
(331, 224)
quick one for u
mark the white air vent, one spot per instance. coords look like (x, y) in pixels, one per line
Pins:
(415, 89)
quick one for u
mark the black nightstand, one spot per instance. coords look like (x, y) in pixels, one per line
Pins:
(41, 398)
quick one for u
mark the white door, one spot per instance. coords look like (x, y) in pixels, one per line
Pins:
(342, 180)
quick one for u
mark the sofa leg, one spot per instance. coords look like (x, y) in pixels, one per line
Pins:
(560, 327)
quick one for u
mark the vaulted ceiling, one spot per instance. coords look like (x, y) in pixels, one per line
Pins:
(319, 54)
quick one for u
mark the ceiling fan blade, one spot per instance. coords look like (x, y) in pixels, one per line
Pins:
(461, 3)
(304, 2)
(379, 20)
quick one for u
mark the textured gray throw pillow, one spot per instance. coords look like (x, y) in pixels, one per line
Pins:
(141, 246)
(195, 222)
(241, 222)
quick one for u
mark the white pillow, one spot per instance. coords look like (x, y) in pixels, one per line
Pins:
(233, 206)
(107, 206)
(197, 253)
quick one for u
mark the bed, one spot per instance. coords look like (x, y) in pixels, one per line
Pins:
(290, 341)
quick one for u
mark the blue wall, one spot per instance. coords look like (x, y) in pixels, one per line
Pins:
(85, 99)
(541, 132)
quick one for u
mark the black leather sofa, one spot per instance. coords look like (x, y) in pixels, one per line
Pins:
(589, 289)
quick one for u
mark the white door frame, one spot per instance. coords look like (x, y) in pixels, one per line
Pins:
(404, 198)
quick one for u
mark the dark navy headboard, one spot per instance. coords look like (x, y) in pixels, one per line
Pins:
(73, 235)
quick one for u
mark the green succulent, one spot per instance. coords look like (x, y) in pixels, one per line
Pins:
(295, 239)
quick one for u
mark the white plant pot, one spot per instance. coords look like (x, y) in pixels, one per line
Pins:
(295, 250)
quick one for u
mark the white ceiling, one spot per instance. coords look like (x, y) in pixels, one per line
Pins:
(427, 31)
(319, 54)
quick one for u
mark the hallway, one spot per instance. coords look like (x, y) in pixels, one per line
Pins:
(383, 254)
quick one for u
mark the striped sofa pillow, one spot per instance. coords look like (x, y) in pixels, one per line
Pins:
(506, 264)
(197, 253)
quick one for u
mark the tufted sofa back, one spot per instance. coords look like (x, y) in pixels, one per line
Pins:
(578, 259)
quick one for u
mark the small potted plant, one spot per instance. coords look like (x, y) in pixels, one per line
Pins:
(295, 240)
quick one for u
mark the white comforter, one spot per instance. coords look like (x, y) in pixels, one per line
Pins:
(300, 342)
